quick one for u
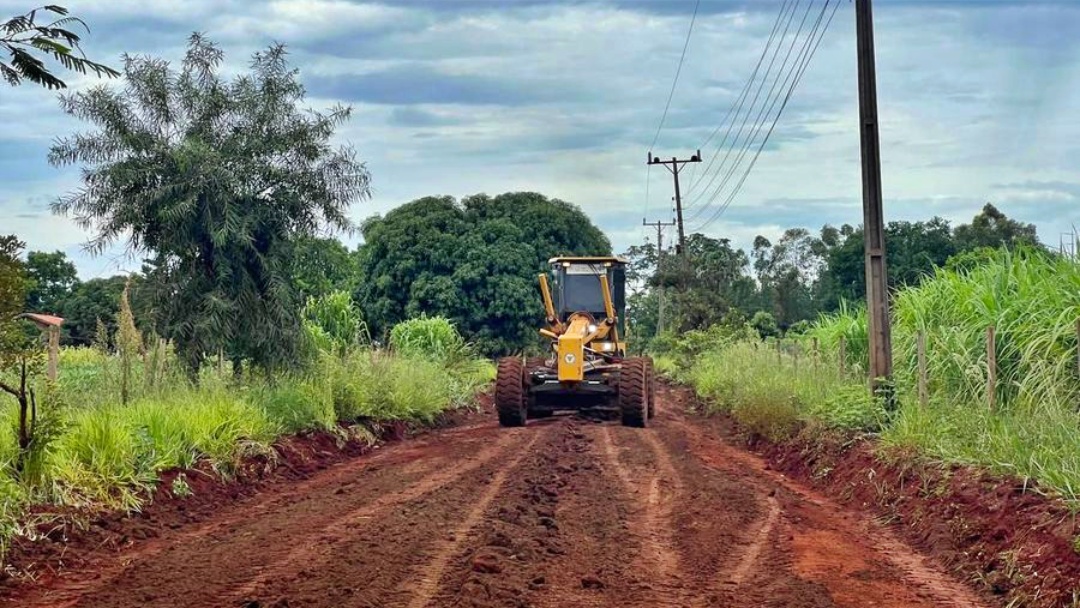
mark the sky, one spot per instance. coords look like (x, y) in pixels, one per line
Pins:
(978, 101)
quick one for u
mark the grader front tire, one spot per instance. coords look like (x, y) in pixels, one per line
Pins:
(510, 398)
(634, 393)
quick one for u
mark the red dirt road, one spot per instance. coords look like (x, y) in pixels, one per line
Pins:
(564, 512)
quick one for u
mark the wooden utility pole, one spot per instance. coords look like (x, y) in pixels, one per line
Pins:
(659, 264)
(674, 166)
(877, 294)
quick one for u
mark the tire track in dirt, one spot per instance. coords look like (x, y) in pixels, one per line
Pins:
(431, 573)
(70, 587)
(318, 549)
(861, 562)
(590, 564)
(726, 531)
(659, 557)
(759, 539)
(242, 550)
(556, 536)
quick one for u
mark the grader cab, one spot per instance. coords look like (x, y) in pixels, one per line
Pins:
(586, 367)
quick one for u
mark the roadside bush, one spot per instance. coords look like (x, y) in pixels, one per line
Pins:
(110, 455)
(851, 407)
(433, 338)
(772, 397)
(334, 324)
(297, 404)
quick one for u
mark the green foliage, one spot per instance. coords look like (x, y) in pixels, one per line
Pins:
(27, 40)
(850, 407)
(772, 388)
(111, 454)
(373, 386)
(90, 302)
(180, 488)
(702, 290)
(334, 324)
(765, 324)
(13, 286)
(473, 262)
(298, 403)
(424, 337)
(216, 180)
(21, 353)
(1033, 301)
(128, 343)
(321, 266)
(992, 229)
(52, 277)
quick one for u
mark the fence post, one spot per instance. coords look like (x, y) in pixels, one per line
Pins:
(924, 395)
(54, 352)
(795, 356)
(843, 356)
(814, 343)
(991, 366)
(779, 354)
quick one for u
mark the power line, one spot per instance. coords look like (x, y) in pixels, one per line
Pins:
(736, 106)
(678, 71)
(759, 119)
(802, 70)
(802, 61)
(667, 106)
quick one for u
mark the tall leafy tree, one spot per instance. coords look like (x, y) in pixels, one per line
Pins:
(322, 266)
(214, 180)
(29, 39)
(473, 261)
(52, 278)
(92, 301)
(914, 250)
(992, 228)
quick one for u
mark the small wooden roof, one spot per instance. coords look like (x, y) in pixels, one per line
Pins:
(43, 321)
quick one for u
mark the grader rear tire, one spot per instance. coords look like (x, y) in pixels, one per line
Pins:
(510, 395)
(650, 381)
(634, 393)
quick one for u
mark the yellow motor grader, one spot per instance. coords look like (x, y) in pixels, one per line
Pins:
(587, 367)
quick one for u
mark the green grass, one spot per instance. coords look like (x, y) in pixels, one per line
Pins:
(1033, 431)
(774, 394)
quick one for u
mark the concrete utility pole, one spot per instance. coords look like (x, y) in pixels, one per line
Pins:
(675, 165)
(877, 290)
(659, 263)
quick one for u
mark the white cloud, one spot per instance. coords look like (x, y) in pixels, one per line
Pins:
(968, 103)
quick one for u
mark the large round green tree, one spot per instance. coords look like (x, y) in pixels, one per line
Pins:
(473, 261)
(215, 180)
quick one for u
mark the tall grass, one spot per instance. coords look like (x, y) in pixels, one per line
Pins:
(1033, 301)
(1033, 431)
(774, 393)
